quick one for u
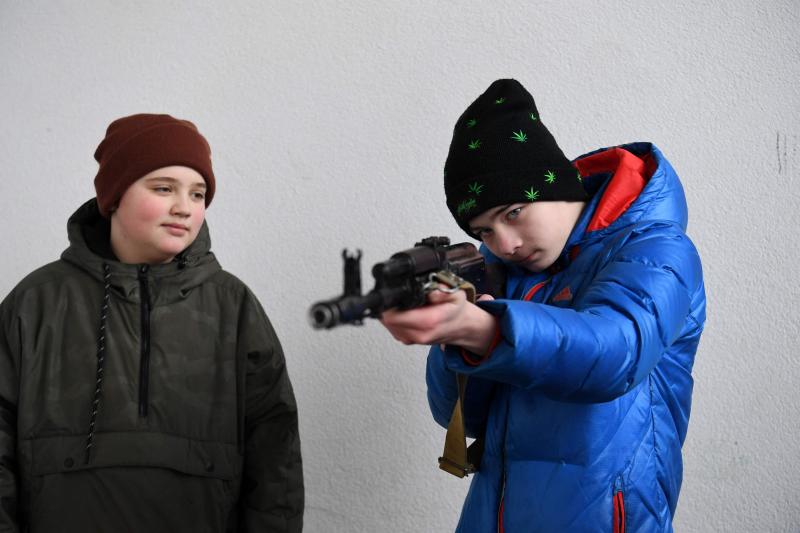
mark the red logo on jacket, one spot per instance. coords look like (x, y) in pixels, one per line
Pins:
(563, 295)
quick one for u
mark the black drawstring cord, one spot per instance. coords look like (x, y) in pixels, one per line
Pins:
(101, 358)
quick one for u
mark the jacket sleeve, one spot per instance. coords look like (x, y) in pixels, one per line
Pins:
(616, 331)
(272, 494)
(9, 364)
(443, 393)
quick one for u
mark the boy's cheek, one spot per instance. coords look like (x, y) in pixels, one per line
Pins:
(198, 218)
(151, 209)
(491, 248)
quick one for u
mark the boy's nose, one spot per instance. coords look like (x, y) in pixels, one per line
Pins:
(508, 242)
(181, 205)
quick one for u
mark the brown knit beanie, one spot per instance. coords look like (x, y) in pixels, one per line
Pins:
(138, 144)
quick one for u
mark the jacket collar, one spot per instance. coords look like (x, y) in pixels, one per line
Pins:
(89, 249)
(626, 183)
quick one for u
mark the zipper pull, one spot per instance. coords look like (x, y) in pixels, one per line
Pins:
(144, 290)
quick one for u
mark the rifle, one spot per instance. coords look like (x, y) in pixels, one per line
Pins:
(403, 282)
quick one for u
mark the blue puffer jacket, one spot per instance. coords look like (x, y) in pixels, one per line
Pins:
(585, 401)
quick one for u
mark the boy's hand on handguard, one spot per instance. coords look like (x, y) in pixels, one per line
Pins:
(447, 319)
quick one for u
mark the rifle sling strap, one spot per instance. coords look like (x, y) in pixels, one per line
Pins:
(457, 458)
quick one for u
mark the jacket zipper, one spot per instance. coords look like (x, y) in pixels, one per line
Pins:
(500, 528)
(528, 296)
(619, 508)
(144, 363)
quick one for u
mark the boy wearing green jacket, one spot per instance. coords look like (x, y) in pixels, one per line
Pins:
(142, 387)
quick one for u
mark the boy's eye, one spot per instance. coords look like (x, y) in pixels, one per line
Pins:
(161, 188)
(483, 232)
(199, 195)
(514, 213)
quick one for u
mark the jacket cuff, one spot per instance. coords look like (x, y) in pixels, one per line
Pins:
(473, 359)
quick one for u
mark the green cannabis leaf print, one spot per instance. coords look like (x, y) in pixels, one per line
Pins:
(466, 206)
(475, 188)
(549, 177)
(532, 194)
(471, 122)
(474, 145)
(519, 136)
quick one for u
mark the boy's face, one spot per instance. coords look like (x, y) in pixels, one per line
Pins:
(159, 216)
(531, 235)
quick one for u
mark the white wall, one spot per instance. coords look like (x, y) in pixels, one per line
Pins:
(330, 122)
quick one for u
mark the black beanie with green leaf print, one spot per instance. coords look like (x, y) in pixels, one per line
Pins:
(502, 153)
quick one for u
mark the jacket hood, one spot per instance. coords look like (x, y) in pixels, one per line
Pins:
(627, 184)
(90, 249)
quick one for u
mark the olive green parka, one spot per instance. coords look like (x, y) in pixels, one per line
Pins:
(195, 422)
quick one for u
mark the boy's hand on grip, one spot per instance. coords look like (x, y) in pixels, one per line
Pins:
(447, 319)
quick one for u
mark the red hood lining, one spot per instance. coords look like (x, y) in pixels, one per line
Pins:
(630, 175)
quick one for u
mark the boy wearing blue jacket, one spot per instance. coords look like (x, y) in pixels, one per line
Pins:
(580, 376)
